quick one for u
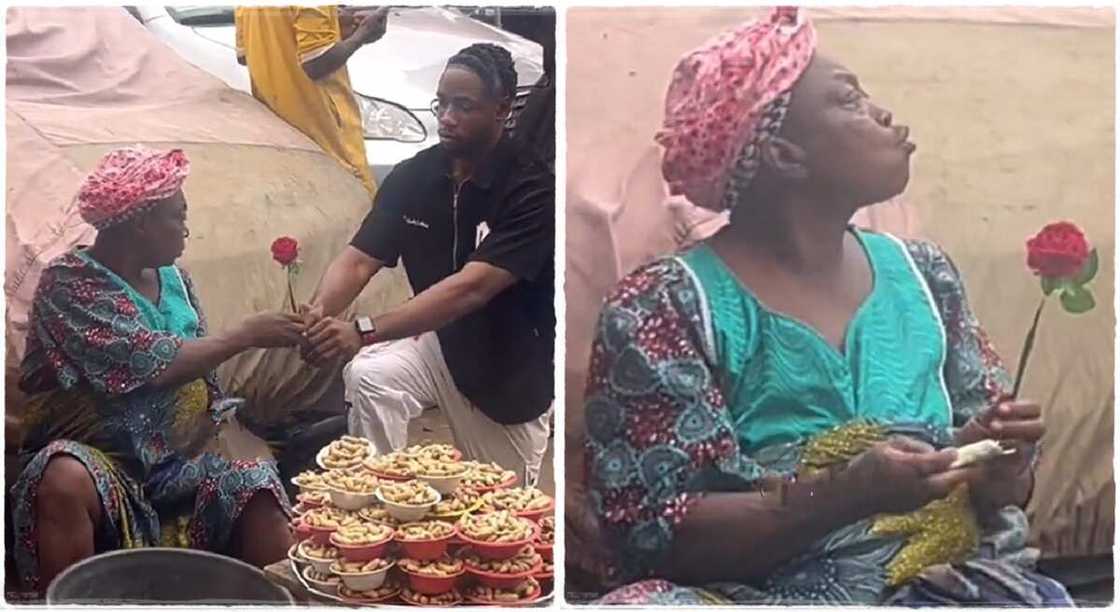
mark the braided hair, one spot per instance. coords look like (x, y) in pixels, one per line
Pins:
(493, 65)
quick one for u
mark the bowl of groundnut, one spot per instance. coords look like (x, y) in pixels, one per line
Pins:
(527, 502)
(425, 540)
(351, 490)
(524, 593)
(497, 535)
(346, 453)
(434, 576)
(408, 501)
(362, 542)
(362, 575)
(502, 573)
(486, 477)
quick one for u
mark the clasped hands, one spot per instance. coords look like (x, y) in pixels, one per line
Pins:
(321, 339)
(325, 339)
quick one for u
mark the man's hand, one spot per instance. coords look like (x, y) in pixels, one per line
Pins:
(332, 338)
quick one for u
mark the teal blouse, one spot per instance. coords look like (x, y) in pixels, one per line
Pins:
(173, 314)
(784, 382)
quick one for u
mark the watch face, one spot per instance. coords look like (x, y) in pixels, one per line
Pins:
(365, 325)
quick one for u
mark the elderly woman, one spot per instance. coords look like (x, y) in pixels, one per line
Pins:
(120, 371)
(772, 415)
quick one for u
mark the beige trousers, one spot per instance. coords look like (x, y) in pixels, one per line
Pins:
(391, 383)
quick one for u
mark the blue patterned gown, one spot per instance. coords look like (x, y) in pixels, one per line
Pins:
(93, 346)
(697, 387)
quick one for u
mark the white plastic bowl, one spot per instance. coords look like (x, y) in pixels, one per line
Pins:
(444, 484)
(364, 582)
(320, 565)
(352, 501)
(304, 489)
(406, 513)
(319, 456)
(330, 588)
(296, 557)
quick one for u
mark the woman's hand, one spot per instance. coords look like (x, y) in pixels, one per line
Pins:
(904, 474)
(272, 330)
(1006, 480)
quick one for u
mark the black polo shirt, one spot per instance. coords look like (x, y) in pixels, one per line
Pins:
(500, 356)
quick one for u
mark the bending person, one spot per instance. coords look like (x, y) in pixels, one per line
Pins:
(472, 221)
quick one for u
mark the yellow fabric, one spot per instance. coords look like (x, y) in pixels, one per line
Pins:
(944, 531)
(274, 42)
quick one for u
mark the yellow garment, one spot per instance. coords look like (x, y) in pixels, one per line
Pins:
(944, 531)
(275, 42)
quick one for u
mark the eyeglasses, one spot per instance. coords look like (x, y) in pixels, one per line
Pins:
(458, 106)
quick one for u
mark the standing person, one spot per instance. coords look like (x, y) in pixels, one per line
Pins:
(297, 62)
(535, 127)
(472, 221)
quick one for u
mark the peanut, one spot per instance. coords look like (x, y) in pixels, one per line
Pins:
(411, 493)
(424, 530)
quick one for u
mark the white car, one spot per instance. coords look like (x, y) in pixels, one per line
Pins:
(395, 78)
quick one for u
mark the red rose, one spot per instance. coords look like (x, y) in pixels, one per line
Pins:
(285, 250)
(1058, 251)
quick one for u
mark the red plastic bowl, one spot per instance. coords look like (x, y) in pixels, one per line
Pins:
(300, 530)
(425, 550)
(320, 535)
(537, 515)
(505, 550)
(362, 552)
(544, 550)
(528, 601)
(431, 585)
(502, 581)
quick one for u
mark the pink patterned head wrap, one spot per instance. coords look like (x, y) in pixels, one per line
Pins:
(129, 181)
(726, 98)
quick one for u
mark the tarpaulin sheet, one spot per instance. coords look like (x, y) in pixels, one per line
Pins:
(1012, 110)
(81, 81)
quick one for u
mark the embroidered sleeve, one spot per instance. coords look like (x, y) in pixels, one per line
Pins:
(88, 331)
(974, 372)
(656, 420)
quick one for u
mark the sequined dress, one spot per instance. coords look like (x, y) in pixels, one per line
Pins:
(696, 386)
(94, 343)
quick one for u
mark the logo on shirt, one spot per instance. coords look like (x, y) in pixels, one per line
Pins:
(416, 222)
(480, 233)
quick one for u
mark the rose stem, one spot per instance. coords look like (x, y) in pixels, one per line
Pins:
(292, 297)
(1028, 345)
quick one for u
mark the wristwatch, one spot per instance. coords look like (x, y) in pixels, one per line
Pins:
(366, 329)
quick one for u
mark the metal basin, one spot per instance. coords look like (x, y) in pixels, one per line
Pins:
(164, 576)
